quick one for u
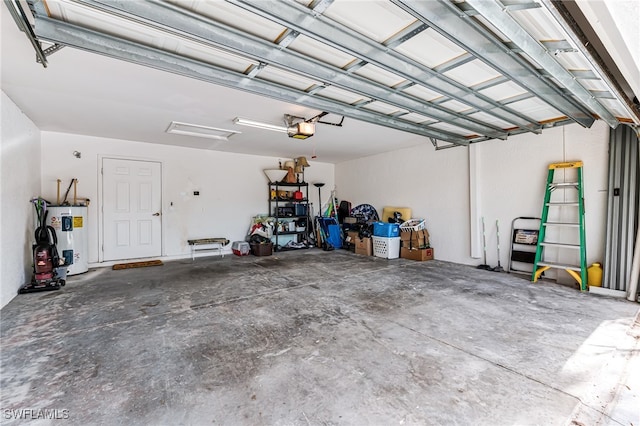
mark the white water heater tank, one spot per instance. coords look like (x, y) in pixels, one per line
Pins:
(70, 224)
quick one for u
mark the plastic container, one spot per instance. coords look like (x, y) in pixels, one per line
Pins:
(594, 275)
(387, 230)
(387, 248)
(240, 248)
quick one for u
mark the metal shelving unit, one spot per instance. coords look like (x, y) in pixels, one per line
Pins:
(287, 209)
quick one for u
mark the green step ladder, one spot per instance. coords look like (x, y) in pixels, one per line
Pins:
(579, 272)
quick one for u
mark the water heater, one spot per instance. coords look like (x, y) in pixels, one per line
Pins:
(70, 224)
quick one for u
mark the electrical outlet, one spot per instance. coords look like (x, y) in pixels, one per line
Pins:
(196, 192)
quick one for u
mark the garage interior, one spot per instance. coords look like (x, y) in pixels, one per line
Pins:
(454, 110)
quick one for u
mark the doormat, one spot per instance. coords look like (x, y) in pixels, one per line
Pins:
(137, 264)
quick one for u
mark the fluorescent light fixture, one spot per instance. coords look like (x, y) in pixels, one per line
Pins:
(179, 128)
(259, 125)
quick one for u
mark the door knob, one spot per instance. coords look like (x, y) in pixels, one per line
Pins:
(156, 214)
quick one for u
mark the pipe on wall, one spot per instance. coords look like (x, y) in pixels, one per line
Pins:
(474, 200)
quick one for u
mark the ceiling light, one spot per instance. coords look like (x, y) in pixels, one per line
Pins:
(200, 131)
(259, 125)
(297, 130)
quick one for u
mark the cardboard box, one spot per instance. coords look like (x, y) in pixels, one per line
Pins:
(420, 254)
(364, 246)
(351, 237)
(414, 239)
(414, 235)
(415, 244)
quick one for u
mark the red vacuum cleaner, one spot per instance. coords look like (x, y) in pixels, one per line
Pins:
(48, 269)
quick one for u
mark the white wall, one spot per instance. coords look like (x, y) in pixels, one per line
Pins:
(511, 178)
(20, 181)
(232, 186)
(434, 185)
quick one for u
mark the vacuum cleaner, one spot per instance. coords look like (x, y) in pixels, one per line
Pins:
(48, 269)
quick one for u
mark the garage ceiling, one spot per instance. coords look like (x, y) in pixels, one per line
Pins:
(401, 72)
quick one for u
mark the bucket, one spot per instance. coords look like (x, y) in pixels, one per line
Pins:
(594, 275)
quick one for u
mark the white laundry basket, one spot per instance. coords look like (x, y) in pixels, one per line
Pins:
(388, 248)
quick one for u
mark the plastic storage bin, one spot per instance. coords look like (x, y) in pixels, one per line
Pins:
(388, 248)
(387, 230)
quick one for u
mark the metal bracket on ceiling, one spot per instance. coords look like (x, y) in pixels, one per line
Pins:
(322, 114)
(22, 21)
(434, 141)
(255, 69)
(289, 35)
(319, 6)
(50, 51)
(518, 5)
(290, 120)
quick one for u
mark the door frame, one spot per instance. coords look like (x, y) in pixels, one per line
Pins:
(101, 158)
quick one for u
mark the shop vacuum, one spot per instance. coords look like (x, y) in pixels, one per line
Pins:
(49, 273)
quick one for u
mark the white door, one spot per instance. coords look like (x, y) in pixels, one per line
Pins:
(131, 206)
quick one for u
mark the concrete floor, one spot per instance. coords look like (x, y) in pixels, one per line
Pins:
(317, 338)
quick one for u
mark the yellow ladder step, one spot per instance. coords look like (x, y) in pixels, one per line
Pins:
(557, 265)
(566, 165)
